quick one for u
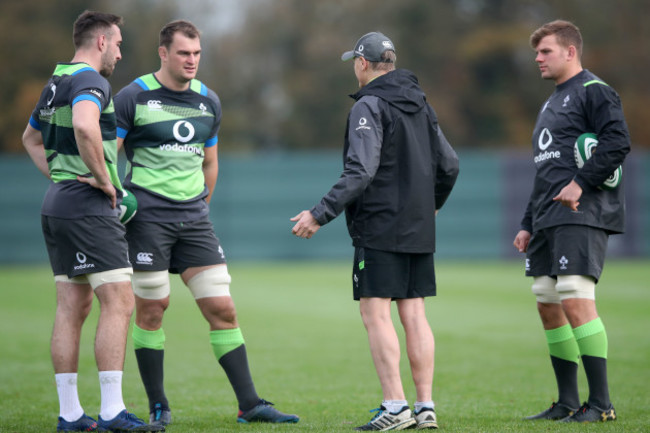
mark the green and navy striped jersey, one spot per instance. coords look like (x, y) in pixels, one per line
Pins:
(165, 133)
(69, 84)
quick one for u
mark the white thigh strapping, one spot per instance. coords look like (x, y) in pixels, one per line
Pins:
(96, 279)
(575, 286)
(151, 285)
(544, 290)
(212, 282)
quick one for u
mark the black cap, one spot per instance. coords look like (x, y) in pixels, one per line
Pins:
(371, 46)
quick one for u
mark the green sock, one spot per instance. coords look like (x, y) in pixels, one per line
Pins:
(230, 350)
(225, 340)
(148, 339)
(562, 343)
(149, 352)
(565, 355)
(592, 338)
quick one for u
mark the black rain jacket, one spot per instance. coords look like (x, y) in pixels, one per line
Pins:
(398, 168)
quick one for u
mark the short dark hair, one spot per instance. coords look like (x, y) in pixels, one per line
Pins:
(185, 27)
(387, 63)
(87, 24)
(566, 33)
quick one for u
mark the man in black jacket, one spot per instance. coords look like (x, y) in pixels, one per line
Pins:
(569, 217)
(398, 172)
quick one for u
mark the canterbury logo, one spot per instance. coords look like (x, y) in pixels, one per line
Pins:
(144, 258)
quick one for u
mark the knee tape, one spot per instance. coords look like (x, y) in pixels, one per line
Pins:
(576, 286)
(211, 282)
(151, 285)
(98, 278)
(544, 290)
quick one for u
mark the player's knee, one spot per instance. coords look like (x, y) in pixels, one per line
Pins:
(151, 285)
(544, 289)
(224, 315)
(576, 286)
(212, 282)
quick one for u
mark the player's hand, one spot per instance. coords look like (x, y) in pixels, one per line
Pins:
(306, 225)
(106, 187)
(521, 241)
(569, 196)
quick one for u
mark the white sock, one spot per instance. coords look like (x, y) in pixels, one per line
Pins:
(394, 406)
(419, 405)
(66, 386)
(110, 384)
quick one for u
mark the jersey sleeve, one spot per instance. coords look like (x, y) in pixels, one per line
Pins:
(91, 87)
(125, 102)
(33, 120)
(214, 133)
(365, 135)
(605, 117)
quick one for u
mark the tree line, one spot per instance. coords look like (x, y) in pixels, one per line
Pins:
(283, 86)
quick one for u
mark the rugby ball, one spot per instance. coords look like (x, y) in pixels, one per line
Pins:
(128, 207)
(584, 147)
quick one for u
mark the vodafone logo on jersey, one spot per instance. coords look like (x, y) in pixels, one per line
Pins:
(544, 140)
(183, 131)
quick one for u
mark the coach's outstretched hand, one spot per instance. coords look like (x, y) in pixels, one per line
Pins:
(306, 225)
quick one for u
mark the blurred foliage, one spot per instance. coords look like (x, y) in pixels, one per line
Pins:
(276, 67)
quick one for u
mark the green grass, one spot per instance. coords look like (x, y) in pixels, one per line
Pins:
(309, 354)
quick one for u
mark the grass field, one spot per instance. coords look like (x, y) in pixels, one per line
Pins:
(309, 354)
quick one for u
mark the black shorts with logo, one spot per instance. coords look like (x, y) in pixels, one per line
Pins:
(156, 246)
(384, 274)
(567, 250)
(85, 245)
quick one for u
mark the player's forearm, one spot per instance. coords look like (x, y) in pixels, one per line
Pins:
(33, 143)
(91, 150)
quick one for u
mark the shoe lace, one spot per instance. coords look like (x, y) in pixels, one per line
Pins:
(265, 402)
(134, 419)
(380, 411)
(585, 406)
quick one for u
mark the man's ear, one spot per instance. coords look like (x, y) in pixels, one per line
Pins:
(101, 42)
(572, 52)
(364, 63)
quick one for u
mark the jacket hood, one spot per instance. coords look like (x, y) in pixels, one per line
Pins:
(400, 88)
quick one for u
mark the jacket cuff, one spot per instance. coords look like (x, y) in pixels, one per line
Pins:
(318, 215)
(581, 181)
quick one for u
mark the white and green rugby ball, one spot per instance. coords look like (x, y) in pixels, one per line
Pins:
(584, 147)
(129, 206)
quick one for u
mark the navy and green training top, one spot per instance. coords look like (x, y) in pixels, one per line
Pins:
(67, 197)
(165, 133)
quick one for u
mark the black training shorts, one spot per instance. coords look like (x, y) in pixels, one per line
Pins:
(85, 245)
(567, 250)
(384, 274)
(156, 246)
